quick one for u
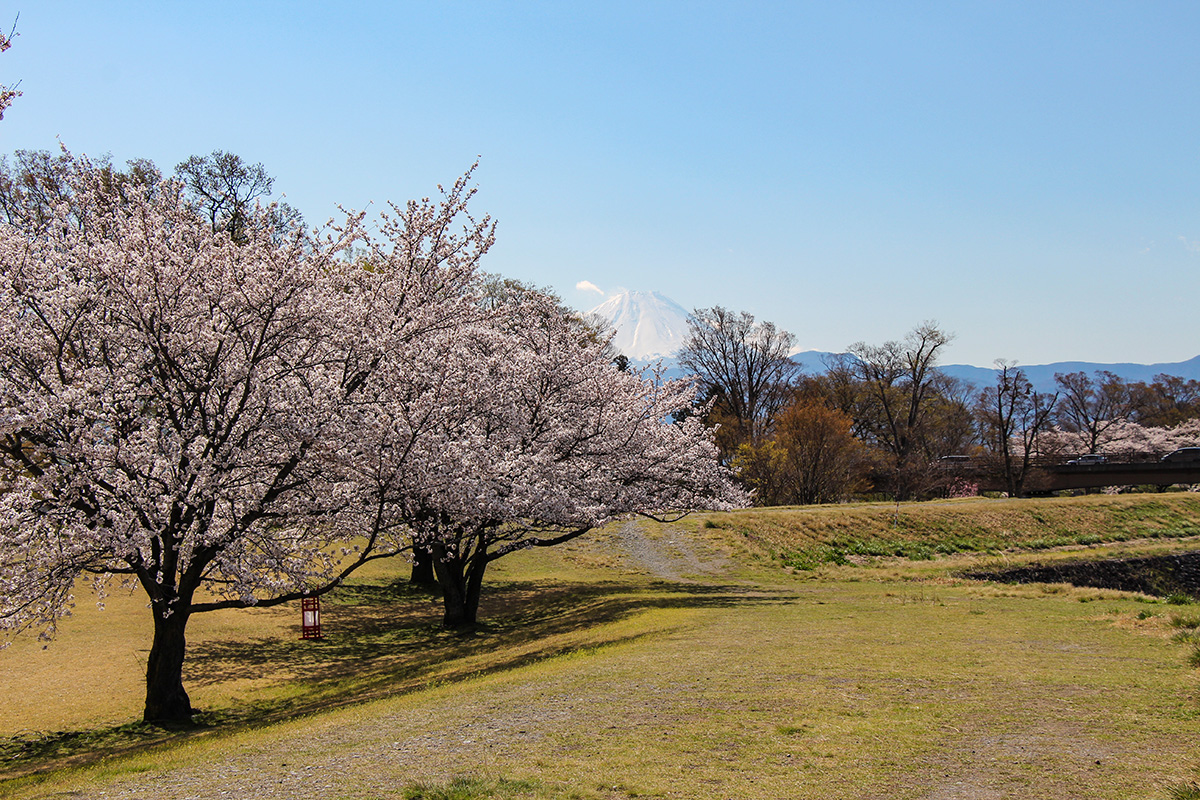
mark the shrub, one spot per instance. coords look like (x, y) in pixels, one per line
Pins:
(1189, 621)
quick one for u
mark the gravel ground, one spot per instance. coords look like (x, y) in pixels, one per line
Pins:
(376, 756)
(680, 558)
(375, 752)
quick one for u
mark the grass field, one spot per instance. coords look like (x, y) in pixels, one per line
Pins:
(729, 656)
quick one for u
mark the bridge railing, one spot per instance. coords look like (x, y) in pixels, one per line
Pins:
(957, 464)
(1125, 457)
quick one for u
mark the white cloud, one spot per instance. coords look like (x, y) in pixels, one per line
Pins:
(588, 286)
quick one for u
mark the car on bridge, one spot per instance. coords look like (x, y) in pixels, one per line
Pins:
(1090, 458)
(1182, 455)
(953, 462)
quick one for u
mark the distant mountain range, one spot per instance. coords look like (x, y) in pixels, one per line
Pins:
(1040, 375)
(651, 327)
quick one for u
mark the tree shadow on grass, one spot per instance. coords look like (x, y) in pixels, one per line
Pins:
(384, 640)
(376, 635)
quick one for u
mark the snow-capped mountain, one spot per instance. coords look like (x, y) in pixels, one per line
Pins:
(647, 324)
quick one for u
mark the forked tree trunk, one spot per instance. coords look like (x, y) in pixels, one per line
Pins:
(455, 614)
(461, 587)
(166, 699)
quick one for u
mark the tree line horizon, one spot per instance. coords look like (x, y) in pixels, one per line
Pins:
(881, 418)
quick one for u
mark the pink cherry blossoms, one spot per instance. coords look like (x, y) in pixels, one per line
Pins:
(235, 423)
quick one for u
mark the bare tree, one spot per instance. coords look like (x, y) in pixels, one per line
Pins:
(220, 188)
(1013, 415)
(1169, 400)
(1092, 405)
(743, 366)
(895, 407)
(224, 190)
(31, 188)
(37, 182)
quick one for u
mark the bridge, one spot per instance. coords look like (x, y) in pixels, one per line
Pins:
(1049, 475)
(1092, 476)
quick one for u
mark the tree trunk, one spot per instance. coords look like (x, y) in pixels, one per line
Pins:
(454, 594)
(166, 700)
(1010, 475)
(462, 585)
(422, 567)
(475, 585)
(906, 480)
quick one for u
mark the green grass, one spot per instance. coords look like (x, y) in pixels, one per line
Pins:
(474, 789)
(1189, 790)
(805, 538)
(818, 692)
(1189, 621)
(597, 679)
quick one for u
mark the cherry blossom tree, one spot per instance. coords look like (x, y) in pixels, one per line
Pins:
(541, 438)
(1130, 440)
(178, 410)
(7, 93)
(228, 421)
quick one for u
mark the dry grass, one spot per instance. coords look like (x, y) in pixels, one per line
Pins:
(882, 679)
(831, 690)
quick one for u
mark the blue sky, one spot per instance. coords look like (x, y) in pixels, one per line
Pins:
(1028, 175)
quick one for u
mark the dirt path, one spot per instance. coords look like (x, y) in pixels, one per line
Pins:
(681, 557)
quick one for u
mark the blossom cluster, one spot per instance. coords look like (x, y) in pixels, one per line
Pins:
(1124, 438)
(231, 422)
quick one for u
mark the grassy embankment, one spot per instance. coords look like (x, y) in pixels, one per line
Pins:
(804, 538)
(596, 678)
